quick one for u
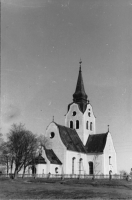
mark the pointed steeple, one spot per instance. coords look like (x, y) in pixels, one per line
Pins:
(80, 94)
(80, 97)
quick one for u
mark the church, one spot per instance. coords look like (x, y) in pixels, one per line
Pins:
(76, 148)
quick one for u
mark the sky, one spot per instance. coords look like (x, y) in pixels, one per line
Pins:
(42, 42)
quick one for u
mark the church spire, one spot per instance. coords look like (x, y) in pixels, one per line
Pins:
(80, 97)
(80, 94)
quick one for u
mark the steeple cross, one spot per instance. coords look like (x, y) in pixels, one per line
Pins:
(108, 128)
(80, 62)
(53, 119)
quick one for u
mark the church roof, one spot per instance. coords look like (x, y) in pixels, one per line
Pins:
(71, 139)
(96, 143)
(39, 160)
(52, 157)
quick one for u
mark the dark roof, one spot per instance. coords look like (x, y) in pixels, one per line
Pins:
(96, 143)
(80, 91)
(52, 157)
(38, 160)
(80, 96)
(71, 139)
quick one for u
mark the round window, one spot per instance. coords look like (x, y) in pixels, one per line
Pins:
(52, 135)
(74, 113)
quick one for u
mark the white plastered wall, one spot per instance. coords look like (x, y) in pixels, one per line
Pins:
(56, 143)
(109, 151)
(83, 132)
(77, 155)
(90, 119)
(53, 167)
(97, 160)
(78, 116)
(86, 158)
(41, 169)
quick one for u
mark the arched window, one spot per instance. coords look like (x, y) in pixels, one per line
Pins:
(89, 114)
(56, 170)
(87, 125)
(90, 167)
(91, 126)
(77, 124)
(80, 163)
(73, 165)
(71, 124)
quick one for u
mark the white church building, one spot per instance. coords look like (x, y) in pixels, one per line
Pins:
(76, 148)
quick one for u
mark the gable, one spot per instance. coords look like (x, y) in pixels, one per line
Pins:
(96, 143)
(109, 147)
(89, 110)
(73, 107)
(82, 107)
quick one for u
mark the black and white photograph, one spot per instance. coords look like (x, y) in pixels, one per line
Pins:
(66, 99)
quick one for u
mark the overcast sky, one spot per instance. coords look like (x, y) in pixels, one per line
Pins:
(42, 43)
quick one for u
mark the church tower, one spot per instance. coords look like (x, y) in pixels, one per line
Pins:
(80, 114)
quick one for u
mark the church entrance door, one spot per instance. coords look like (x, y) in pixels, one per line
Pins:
(33, 169)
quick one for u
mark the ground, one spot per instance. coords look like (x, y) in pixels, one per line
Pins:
(64, 189)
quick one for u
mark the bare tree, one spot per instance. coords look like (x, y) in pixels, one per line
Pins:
(1, 142)
(30, 147)
(44, 142)
(22, 145)
(4, 157)
(123, 172)
(1, 138)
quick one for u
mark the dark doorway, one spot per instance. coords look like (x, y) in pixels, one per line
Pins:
(90, 167)
(33, 169)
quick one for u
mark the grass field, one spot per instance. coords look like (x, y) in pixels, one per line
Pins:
(66, 189)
